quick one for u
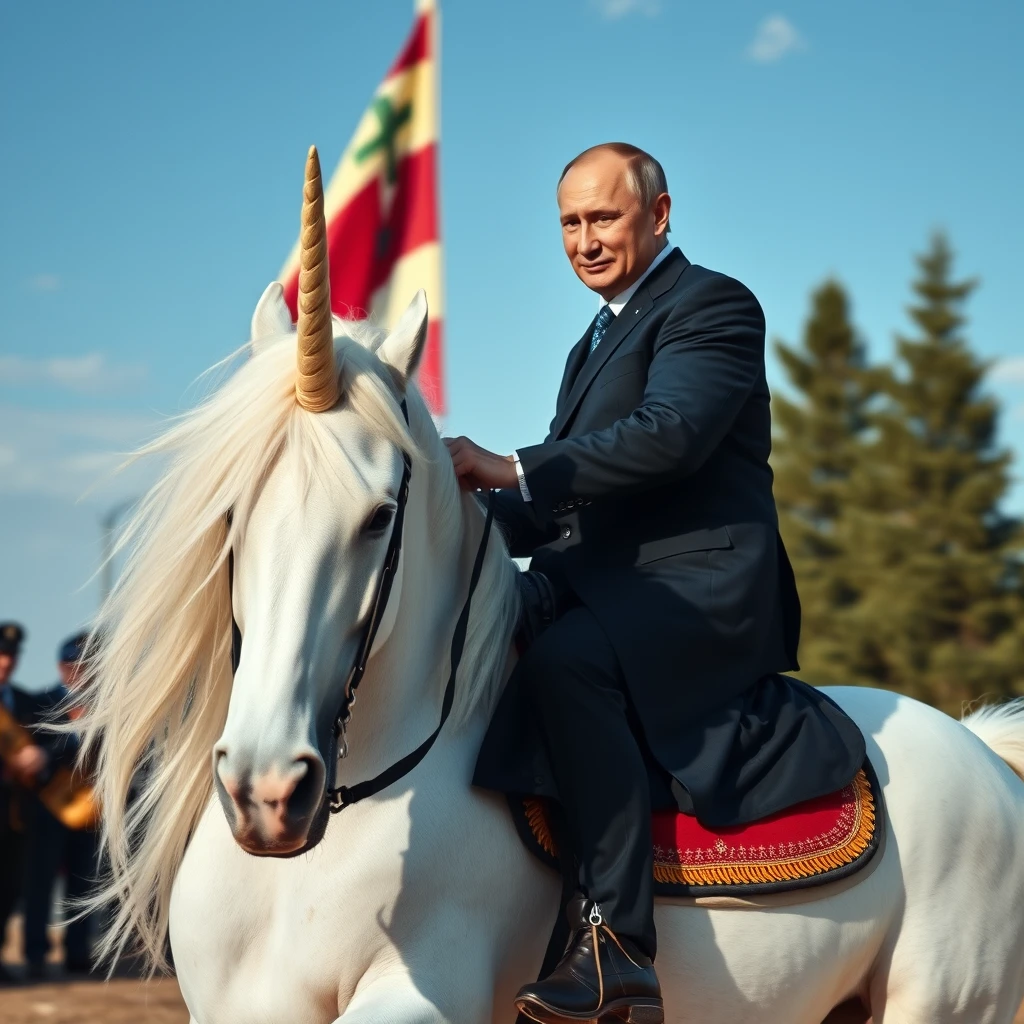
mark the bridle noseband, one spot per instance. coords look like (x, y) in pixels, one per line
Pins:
(340, 797)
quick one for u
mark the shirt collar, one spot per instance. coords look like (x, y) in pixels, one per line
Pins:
(620, 300)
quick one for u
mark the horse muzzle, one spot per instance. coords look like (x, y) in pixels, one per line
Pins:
(272, 812)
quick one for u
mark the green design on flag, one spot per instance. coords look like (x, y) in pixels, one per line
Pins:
(390, 121)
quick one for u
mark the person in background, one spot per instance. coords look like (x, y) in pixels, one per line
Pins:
(52, 845)
(11, 838)
(20, 773)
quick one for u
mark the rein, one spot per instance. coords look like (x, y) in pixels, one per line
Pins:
(340, 797)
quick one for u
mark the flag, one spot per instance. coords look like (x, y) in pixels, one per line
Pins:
(381, 205)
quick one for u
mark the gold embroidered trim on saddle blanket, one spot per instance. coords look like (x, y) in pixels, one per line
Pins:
(810, 840)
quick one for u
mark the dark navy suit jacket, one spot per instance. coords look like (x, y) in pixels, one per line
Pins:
(652, 502)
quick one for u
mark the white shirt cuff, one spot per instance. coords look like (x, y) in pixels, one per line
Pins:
(523, 489)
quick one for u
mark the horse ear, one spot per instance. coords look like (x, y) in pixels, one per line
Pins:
(272, 317)
(402, 349)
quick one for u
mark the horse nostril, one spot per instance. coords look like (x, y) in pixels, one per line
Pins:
(309, 789)
(234, 794)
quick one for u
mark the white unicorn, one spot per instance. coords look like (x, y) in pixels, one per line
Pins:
(421, 905)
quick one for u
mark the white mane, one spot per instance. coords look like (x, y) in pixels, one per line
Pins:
(162, 679)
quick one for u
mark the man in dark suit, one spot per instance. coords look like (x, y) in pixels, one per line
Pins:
(650, 508)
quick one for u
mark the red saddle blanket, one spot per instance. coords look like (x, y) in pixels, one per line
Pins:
(812, 843)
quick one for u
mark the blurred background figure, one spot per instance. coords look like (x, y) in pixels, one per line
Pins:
(11, 828)
(52, 846)
(23, 767)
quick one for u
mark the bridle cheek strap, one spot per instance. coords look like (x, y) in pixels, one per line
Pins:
(236, 633)
(379, 607)
(345, 796)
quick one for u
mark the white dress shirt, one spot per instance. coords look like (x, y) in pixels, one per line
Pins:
(616, 305)
(622, 298)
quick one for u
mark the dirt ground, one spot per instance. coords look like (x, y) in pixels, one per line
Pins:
(122, 1001)
(116, 1002)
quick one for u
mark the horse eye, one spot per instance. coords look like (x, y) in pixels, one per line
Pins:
(380, 520)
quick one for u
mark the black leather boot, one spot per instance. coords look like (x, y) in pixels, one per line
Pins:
(601, 976)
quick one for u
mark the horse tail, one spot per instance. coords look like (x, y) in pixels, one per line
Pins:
(1001, 728)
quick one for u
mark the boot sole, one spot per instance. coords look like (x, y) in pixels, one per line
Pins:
(630, 1011)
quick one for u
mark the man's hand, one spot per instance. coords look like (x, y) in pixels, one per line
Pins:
(479, 469)
(27, 763)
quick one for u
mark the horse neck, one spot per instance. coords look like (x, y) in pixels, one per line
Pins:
(400, 695)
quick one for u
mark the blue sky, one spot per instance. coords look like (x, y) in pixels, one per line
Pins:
(151, 163)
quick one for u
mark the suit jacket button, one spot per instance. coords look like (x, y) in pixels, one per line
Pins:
(566, 532)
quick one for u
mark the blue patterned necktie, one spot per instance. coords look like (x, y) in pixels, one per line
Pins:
(604, 318)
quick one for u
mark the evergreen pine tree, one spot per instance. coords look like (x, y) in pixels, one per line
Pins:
(939, 600)
(818, 446)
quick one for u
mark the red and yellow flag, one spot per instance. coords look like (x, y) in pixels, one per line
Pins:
(381, 205)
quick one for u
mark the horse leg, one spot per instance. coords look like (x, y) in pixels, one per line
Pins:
(390, 1006)
(396, 999)
(993, 1014)
(924, 1008)
(850, 1012)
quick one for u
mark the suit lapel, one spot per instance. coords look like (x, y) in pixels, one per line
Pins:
(639, 306)
(573, 365)
(642, 302)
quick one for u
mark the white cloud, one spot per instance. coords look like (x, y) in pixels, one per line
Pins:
(88, 374)
(71, 455)
(1009, 370)
(45, 283)
(775, 38)
(614, 9)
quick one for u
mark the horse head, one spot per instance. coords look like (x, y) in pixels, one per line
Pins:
(307, 561)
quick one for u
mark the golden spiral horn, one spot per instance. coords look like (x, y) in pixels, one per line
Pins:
(316, 384)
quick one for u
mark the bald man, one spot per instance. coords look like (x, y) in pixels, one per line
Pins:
(649, 506)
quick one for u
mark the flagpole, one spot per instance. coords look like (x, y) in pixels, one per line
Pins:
(432, 8)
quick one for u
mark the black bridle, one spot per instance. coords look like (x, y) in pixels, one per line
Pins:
(340, 797)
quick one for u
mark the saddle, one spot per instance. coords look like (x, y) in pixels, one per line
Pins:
(813, 843)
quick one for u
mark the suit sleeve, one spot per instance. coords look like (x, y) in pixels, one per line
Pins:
(524, 532)
(707, 358)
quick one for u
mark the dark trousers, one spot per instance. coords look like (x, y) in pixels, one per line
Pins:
(52, 846)
(578, 691)
(12, 846)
